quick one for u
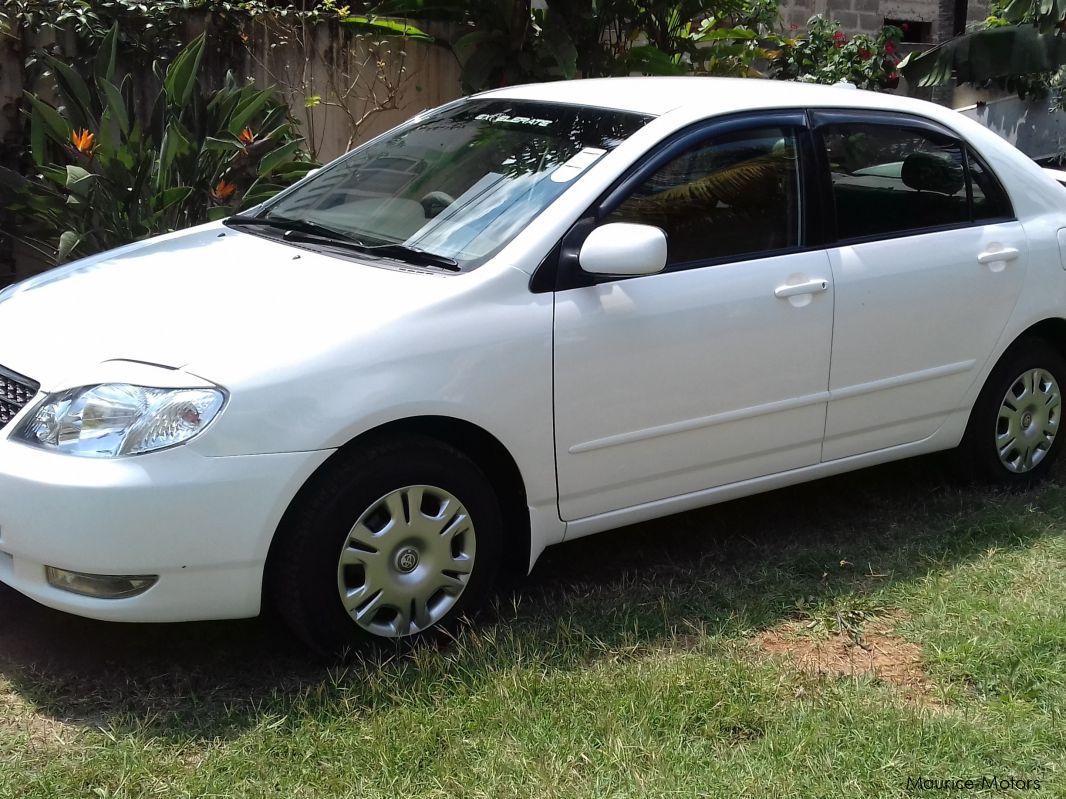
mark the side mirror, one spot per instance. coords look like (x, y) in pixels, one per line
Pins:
(622, 248)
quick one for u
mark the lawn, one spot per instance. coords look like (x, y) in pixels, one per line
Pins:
(834, 639)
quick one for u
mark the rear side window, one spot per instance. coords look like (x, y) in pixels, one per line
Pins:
(889, 179)
(736, 195)
(894, 179)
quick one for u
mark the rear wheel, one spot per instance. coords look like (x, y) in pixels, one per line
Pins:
(397, 542)
(1013, 437)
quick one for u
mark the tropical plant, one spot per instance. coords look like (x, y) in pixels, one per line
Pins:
(1020, 47)
(102, 178)
(825, 54)
(501, 42)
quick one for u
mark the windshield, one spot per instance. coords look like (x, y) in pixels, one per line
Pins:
(460, 183)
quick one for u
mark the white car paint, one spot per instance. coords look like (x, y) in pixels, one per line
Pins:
(618, 402)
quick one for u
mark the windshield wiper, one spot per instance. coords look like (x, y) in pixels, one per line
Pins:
(292, 225)
(397, 252)
(304, 230)
(411, 255)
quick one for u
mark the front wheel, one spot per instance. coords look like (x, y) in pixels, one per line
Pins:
(397, 541)
(1013, 434)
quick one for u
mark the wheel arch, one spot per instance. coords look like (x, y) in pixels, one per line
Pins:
(481, 446)
(1052, 330)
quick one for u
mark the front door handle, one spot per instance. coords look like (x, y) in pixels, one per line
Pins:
(1003, 254)
(808, 287)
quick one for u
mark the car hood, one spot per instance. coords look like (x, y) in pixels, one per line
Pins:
(215, 302)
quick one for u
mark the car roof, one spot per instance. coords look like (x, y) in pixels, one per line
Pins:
(660, 95)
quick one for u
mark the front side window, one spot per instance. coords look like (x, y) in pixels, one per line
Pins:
(462, 182)
(890, 179)
(734, 196)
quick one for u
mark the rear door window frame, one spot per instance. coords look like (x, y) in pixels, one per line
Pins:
(819, 119)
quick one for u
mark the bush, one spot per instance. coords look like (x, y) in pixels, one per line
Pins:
(824, 54)
(103, 178)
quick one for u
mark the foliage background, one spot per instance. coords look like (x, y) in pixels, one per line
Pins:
(349, 59)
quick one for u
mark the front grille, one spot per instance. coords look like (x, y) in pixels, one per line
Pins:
(15, 392)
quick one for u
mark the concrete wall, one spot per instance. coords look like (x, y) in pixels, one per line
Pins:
(867, 16)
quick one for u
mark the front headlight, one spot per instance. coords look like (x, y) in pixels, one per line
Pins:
(116, 419)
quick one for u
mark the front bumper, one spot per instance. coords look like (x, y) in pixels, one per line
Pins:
(203, 524)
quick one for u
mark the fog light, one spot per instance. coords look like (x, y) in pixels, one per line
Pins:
(101, 586)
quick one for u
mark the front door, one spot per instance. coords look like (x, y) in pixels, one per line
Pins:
(716, 370)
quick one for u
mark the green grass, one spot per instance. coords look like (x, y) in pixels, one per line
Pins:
(625, 666)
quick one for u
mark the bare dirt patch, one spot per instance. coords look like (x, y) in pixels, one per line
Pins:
(874, 650)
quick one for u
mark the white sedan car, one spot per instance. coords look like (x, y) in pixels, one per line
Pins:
(524, 317)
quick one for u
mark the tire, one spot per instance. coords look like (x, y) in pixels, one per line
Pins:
(354, 564)
(1014, 436)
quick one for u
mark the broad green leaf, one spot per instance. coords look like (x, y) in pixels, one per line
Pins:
(74, 92)
(219, 212)
(104, 64)
(258, 192)
(182, 73)
(650, 60)
(56, 174)
(222, 145)
(79, 180)
(385, 27)
(175, 144)
(37, 136)
(717, 34)
(54, 123)
(986, 55)
(173, 196)
(275, 158)
(115, 104)
(68, 242)
(247, 110)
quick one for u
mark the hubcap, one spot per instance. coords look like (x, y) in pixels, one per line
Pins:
(1028, 421)
(406, 561)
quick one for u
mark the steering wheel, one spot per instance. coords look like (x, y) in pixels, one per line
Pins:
(435, 202)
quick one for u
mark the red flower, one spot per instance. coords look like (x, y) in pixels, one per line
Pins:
(893, 76)
(864, 53)
(839, 38)
(889, 47)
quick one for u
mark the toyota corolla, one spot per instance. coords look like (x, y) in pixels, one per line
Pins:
(524, 317)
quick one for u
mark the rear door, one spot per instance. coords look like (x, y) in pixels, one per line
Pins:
(928, 265)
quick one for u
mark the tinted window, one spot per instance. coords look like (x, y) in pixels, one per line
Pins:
(735, 195)
(989, 199)
(889, 179)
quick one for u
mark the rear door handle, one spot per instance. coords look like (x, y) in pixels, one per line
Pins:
(809, 287)
(1002, 254)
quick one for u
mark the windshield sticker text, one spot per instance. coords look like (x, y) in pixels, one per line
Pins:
(539, 123)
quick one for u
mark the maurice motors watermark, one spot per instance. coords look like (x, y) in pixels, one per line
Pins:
(986, 783)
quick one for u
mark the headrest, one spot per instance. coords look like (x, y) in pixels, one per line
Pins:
(932, 172)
